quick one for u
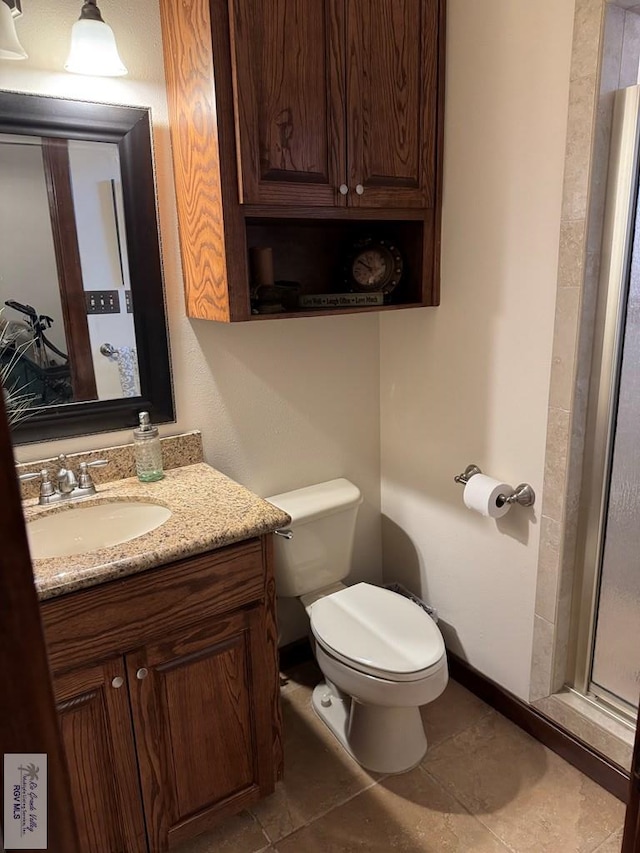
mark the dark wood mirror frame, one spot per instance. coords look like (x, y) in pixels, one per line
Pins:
(130, 129)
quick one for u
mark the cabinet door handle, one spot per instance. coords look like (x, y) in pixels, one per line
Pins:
(118, 681)
(359, 189)
(142, 673)
(344, 189)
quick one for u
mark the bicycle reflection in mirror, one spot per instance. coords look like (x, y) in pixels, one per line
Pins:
(30, 362)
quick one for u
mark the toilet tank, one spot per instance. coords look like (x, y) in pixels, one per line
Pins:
(323, 522)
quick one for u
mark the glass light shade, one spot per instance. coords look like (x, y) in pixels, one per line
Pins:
(10, 47)
(93, 50)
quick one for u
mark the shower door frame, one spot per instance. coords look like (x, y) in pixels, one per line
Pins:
(631, 834)
(617, 244)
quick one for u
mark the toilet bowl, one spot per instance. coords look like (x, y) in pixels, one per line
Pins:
(382, 656)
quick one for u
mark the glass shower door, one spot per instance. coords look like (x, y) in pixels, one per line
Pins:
(612, 461)
(616, 653)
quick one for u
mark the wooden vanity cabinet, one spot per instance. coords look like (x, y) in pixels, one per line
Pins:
(167, 688)
(95, 721)
(303, 112)
(202, 720)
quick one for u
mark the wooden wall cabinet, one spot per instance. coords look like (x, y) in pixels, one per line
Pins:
(169, 721)
(311, 112)
(336, 101)
(289, 86)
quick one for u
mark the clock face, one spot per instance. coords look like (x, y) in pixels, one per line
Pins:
(374, 265)
(371, 268)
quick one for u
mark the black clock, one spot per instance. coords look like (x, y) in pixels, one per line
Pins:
(374, 266)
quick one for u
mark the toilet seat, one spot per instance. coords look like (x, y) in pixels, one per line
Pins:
(378, 632)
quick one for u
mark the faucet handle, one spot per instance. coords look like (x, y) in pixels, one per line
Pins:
(97, 463)
(85, 481)
(47, 489)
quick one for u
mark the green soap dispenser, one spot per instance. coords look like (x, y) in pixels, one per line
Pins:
(147, 450)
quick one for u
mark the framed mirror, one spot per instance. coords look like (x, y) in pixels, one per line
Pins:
(83, 332)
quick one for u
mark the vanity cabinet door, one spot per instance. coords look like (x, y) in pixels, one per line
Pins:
(392, 87)
(202, 721)
(288, 68)
(95, 721)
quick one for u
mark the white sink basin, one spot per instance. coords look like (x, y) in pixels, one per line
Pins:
(80, 529)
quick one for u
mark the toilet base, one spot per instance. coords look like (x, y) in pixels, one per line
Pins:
(381, 739)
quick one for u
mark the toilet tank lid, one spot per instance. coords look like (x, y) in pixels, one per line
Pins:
(377, 628)
(316, 501)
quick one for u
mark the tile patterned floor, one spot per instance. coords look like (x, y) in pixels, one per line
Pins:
(484, 787)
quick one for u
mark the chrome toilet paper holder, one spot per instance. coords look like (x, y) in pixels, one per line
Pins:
(522, 494)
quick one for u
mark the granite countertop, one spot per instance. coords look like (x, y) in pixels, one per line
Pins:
(208, 509)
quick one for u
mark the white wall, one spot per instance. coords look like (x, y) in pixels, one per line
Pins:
(28, 270)
(469, 382)
(280, 403)
(104, 261)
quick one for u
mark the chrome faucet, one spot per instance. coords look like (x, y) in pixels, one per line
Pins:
(66, 480)
(67, 487)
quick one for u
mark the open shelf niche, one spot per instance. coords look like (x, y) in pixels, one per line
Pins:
(311, 257)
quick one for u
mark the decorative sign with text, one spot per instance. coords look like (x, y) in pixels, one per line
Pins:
(341, 300)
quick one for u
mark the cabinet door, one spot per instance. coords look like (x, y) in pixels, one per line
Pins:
(288, 67)
(203, 724)
(392, 73)
(95, 721)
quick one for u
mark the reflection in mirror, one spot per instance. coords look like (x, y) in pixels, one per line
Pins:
(57, 349)
(83, 338)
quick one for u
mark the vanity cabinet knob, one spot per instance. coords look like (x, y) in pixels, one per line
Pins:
(344, 189)
(359, 189)
(118, 681)
(142, 673)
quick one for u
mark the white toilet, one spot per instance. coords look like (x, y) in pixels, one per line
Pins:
(382, 655)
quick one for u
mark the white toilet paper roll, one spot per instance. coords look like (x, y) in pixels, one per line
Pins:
(481, 494)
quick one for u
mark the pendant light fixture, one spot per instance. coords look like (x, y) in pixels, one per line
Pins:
(93, 45)
(10, 47)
